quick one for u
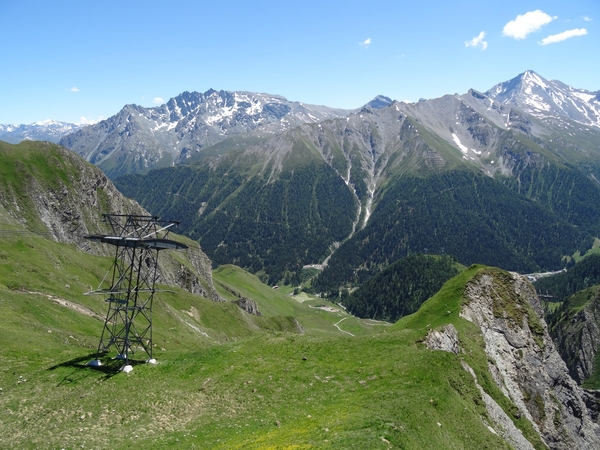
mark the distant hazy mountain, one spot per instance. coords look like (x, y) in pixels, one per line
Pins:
(548, 98)
(138, 139)
(48, 130)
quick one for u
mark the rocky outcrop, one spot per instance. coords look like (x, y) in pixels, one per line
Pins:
(578, 340)
(248, 305)
(524, 362)
(68, 206)
(194, 273)
(446, 340)
(502, 423)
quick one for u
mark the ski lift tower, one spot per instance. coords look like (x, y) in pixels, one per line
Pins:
(129, 283)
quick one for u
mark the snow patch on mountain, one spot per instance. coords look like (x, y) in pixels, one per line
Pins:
(462, 148)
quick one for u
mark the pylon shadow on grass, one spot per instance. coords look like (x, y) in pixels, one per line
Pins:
(110, 367)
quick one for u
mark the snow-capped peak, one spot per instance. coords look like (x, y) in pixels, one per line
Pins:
(44, 122)
(533, 79)
(545, 98)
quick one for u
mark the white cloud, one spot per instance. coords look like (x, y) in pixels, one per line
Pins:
(527, 23)
(158, 101)
(74, 89)
(84, 121)
(563, 36)
(365, 43)
(477, 41)
(587, 19)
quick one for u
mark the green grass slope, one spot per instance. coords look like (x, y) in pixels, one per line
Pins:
(226, 379)
(316, 316)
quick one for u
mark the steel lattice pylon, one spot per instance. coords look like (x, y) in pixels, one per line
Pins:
(129, 283)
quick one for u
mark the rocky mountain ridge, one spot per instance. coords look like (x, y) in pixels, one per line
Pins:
(524, 364)
(137, 139)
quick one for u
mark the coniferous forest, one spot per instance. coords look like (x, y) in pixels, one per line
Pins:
(273, 227)
(464, 214)
(270, 227)
(584, 274)
(401, 288)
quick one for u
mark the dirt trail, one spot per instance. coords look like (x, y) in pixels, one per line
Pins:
(337, 325)
(64, 302)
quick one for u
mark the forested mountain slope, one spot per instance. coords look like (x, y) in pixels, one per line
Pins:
(464, 214)
(401, 288)
(270, 226)
(560, 286)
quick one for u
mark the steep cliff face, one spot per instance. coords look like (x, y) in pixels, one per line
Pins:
(577, 335)
(51, 191)
(524, 362)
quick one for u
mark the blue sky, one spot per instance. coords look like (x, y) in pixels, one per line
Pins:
(83, 61)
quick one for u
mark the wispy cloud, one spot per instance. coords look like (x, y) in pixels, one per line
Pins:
(74, 89)
(587, 18)
(563, 36)
(365, 43)
(526, 23)
(158, 101)
(477, 41)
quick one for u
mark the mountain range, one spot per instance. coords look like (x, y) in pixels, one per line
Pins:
(507, 177)
(548, 100)
(472, 175)
(138, 139)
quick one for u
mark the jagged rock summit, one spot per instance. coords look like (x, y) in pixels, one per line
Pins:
(380, 101)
